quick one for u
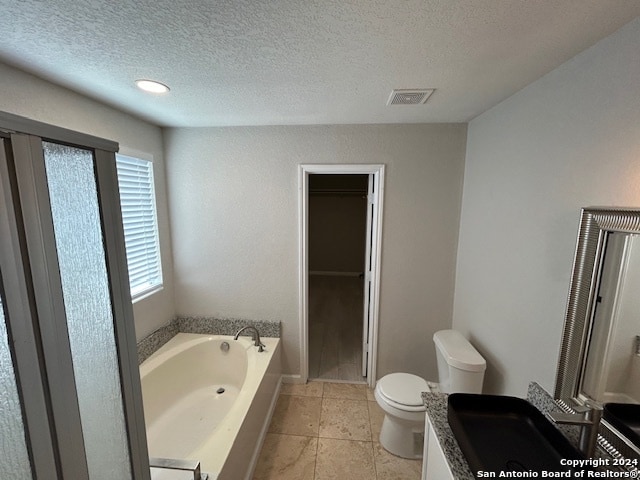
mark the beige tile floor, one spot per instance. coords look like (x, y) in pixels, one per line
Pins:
(329, 431)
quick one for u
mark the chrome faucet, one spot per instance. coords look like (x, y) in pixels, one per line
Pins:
(255, 335)
(588, 417)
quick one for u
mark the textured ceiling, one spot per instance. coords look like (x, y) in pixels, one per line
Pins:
(281, 62)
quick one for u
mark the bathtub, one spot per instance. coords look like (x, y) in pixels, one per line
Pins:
(208, 403)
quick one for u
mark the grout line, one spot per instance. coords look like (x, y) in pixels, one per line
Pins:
(346, 439)
(293, 435)
(373, 459)
(315, 458)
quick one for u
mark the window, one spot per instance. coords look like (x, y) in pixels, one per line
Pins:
(137, 198)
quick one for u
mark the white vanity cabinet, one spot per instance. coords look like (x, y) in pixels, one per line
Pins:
(434, 463)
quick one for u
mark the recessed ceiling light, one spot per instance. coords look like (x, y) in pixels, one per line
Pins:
(151, 86)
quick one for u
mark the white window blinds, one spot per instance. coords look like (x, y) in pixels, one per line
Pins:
(137, 199)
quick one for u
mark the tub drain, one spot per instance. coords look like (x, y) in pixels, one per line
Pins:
(220, 390)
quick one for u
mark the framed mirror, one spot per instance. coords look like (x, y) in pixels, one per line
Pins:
(600, 348)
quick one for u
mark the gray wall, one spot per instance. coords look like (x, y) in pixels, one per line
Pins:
(569, 140)
(34, 98)
(233, 197)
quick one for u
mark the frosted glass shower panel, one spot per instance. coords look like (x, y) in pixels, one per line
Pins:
(87, 299)
(14, 459)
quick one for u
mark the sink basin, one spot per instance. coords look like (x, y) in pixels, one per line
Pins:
(624, 417)
(506, 434)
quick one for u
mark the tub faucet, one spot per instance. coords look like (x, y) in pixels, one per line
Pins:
(255, 334)
(587, 417)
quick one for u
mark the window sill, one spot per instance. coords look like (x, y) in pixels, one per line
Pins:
(146, 293)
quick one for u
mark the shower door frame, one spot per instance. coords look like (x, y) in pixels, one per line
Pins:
(36, 317)
(377, 171)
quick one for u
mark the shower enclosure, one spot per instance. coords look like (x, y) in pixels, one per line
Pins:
(69, 372)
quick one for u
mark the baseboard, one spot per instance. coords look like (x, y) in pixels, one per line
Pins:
(263, 433)
(292, 379)
(335, 380)
(335, 274)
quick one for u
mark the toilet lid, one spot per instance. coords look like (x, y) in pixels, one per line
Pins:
(403, 388)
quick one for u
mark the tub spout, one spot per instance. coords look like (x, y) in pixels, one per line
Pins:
(255, 334)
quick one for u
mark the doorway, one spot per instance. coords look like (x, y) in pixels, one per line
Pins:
(337, 239)
(340, 232)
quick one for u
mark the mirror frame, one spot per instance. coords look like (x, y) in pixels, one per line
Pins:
(595, 225)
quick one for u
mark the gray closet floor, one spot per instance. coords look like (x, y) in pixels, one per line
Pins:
(335, 328)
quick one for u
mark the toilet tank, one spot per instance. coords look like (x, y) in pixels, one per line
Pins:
(460, 366)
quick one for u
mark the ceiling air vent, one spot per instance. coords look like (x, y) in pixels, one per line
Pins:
(410, 97)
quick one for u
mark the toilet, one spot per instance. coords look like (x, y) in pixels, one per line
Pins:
(460, 369)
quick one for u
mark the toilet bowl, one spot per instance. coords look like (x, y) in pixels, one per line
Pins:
(399, 396)
(460, 369)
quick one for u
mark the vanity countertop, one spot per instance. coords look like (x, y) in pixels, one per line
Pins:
(436, 406)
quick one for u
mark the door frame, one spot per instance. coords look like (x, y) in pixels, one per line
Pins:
(304, 170)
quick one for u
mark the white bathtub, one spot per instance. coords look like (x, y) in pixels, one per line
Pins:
(202, 403)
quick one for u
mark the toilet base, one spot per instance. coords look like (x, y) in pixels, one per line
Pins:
(402, 438)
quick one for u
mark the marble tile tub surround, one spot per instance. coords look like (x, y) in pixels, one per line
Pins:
(206, 325)
(436, 405)
(152, 342)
